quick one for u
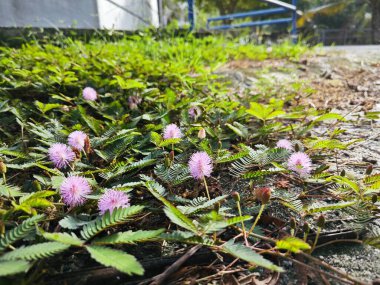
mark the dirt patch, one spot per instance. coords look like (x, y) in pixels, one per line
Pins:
(345, 81)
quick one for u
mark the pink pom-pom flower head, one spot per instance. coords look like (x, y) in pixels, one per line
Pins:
(285, 144)
(77, 140)
(90, 94)
(194, 112)
(111, 200)
(172, 131)
(74, 189)
(61, 155)
(200, 165)
(300, 163)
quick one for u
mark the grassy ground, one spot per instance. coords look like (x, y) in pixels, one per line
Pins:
(232, 101)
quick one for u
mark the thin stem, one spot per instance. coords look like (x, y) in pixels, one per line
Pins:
(242, 223)
(315, 260)
(4, 178)
(316, 239)
(340, 240)
(257, 219)
(208, 194)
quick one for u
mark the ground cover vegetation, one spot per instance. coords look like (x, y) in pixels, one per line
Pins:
(127, 150)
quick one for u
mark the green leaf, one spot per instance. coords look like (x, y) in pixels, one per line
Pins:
(156, 138)
(123, 262)
(330, 116)
(118, 216)
(292, 244)
(13, 267)
(372, 115)
(187, 237)
(92, 123)
(21, 231)
(129, 83)
(373, 241)
(56, 181)
(129, 237)
(173, 213)
(177, 217)
(46, 107)
(64, 238)
(315, 209)
(341, 180)
(247, 254)
(240, 131)
(372, 178)
(263, 112)
(36, 251)
(71, 223)
(187, 210)
(168, 142)
(10, 191)
(214, 226)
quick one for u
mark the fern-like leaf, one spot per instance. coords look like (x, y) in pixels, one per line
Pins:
(187, 237)
(13, 267)
(197, 206)
(36, 251)
(247, 254)
(64, 238)
(214, 226)
(129, 237)
(372, 178)
(118, 216)
(317, 207)
(10, 191)
(122, 167)
(21, 231)
(173, 175)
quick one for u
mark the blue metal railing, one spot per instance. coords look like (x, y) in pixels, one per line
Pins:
(283, 7)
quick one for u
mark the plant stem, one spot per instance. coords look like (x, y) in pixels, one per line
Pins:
(208, 194)
(242, 223)
(257, 219)
(4, 178)
(316, 239)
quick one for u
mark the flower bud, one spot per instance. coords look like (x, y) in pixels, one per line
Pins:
(343, 173)
(297, 147)
(87, 145)
(36, 185)
(263, 194)
(202, 133)
(77, 152)
(217, 207)
(369, 169)
(235, 195)
(167, 162)
(3, 167)
(321, 221)
(293, 223)
(374, 198)
(306, 228)
(65, 108)
(171, 155)
(133, 102)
